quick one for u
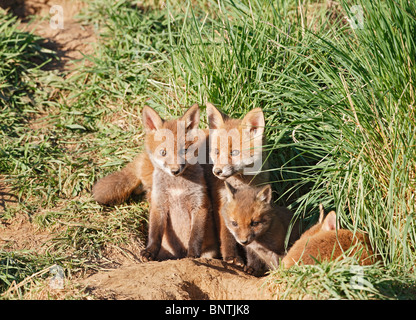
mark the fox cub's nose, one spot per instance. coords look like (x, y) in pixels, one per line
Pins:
(175, 171)
(244, 242)
(217, 171)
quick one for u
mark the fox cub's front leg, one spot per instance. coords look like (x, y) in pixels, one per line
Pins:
(198, 227)
(255, 265)
(229, 249)
(156, 230)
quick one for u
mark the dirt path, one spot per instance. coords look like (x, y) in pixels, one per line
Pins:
(70, 42)
(58, 25)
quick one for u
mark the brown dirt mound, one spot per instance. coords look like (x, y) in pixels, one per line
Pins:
(185, 279)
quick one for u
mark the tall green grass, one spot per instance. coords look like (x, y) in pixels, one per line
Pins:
(342, 279)
(339, 104)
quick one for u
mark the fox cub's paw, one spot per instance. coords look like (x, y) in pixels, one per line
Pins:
(249, 270)
(147, 255)
(235, 260)
(194, 251)
(193, 255)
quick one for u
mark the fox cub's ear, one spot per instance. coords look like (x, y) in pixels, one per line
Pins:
(215, 117)
(191, 117)
(254, 120)
(265, 194)
(151, 120)
(231, 191)
(330, 223)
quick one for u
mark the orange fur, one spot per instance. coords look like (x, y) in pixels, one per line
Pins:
(116, 188)
(180, 218)
(259, 226)
(230, 165)
(180, 221)
(325, 241)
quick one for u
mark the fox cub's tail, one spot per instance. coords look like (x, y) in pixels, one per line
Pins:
(118, 186)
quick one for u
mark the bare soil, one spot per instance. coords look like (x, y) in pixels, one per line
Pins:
(20, 234)
(185, 279)
(70, 39)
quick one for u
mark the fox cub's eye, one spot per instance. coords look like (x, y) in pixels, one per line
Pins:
(216, 151)
(234, 223)
(254, 223)
(235, 153)
(162, 152)
(183, 152)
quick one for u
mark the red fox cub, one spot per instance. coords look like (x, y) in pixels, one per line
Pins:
(235, 149)
(180, 220)
(258, 226)
(135, 178)
(325, 241)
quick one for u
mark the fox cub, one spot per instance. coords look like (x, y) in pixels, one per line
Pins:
(258, 226)
(180, 221)
(180, 218)
(235, 150)
(325, 241)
